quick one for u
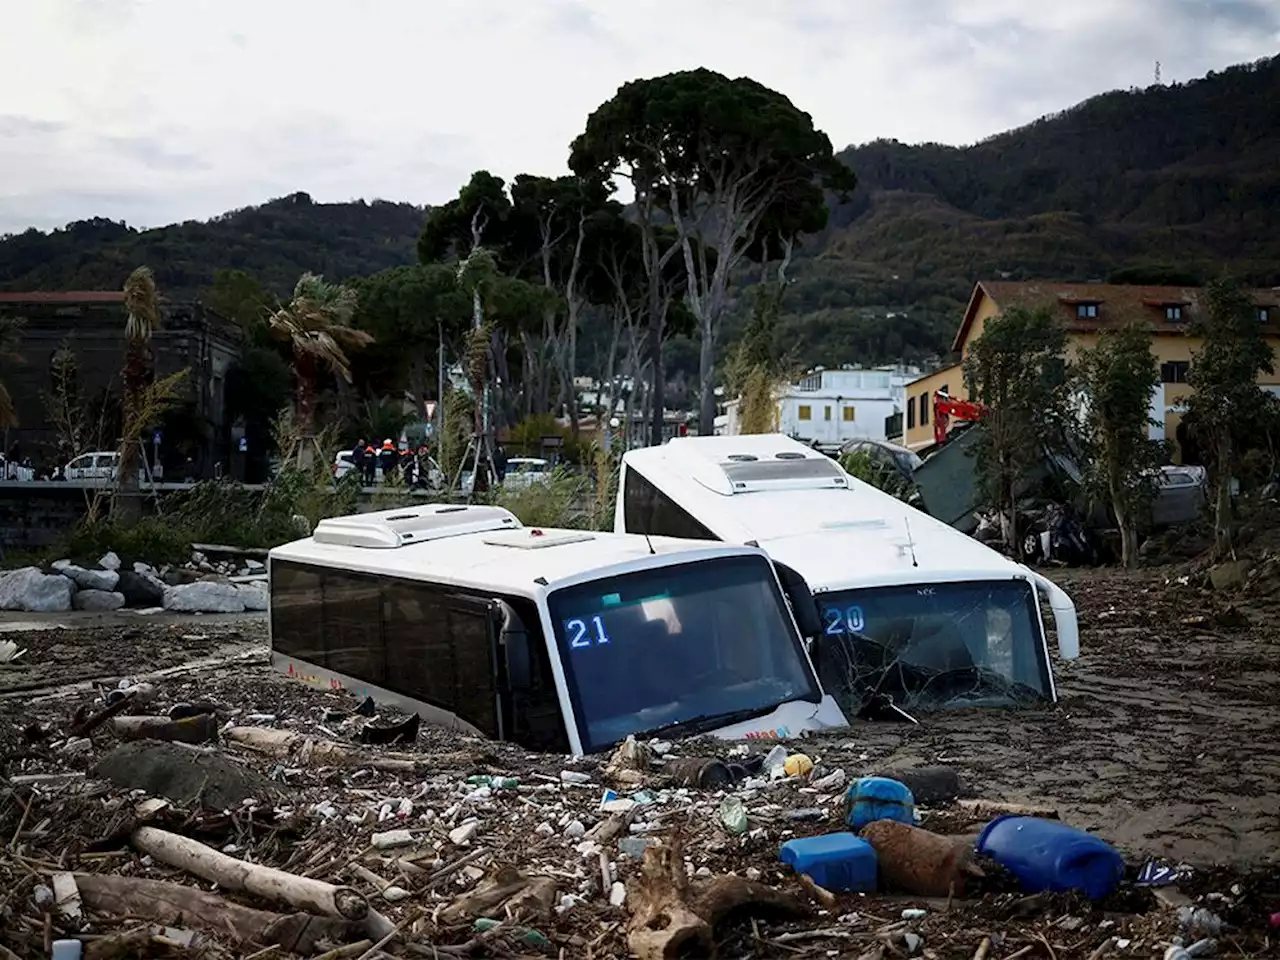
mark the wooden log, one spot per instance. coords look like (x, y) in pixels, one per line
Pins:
(303, 893)
(173, 903)
(997, 808)
(88, 724)
(198, 729)
(309, 750)
(662, 920)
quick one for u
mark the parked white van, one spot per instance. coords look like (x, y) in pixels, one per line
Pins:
(559, 640)
(912, 610)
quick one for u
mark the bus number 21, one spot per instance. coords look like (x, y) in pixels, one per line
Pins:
(578, 633)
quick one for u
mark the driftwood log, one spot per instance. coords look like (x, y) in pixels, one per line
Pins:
(278, 886)
(197, 729)
(670, 913)
(521, 898)
(310, 750)
(173, 904)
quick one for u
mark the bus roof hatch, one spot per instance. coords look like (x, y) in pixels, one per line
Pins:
(389, 529)
(786, 470)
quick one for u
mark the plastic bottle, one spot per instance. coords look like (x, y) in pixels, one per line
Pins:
(775, 759)
(495, 782)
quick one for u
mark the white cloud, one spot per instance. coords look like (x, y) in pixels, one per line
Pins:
(161, 110)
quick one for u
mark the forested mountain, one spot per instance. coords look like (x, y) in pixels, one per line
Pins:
(1182, 176)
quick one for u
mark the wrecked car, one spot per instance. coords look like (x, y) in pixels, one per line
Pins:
(559, 640)
(914, 614)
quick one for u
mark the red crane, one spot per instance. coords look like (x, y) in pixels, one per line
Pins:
(944, 408)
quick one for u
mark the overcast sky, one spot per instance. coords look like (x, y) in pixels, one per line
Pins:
(153, 111)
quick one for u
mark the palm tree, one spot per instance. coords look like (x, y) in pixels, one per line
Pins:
(316, 323)
(142, 304)
(10, 333)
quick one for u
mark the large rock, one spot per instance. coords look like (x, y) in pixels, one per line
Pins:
(99, 601)
(34, 591)
(184, 774)
(204, 597)
(92, 579)
(253, 594)
(1228, 575)
(109, 561)
(140, 590)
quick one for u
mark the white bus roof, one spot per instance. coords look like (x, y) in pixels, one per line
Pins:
(485, 548)
(808, 513)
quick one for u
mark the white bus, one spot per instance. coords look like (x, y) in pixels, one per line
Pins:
(911, 608)
(559, 640)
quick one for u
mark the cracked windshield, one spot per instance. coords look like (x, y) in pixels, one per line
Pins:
(709, 642)
(933, 646)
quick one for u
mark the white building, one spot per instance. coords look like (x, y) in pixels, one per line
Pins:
(837, 405)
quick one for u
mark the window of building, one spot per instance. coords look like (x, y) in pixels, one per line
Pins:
(1087, 311)
(805, 412)
(847, 414)
(826, 413)
(911, 414)
(924, 408)
(1175, 371)
(1173, 312)
(1264, 315)
(646, 509)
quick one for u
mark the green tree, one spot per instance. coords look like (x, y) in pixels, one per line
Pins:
(1018, 372)
(316, 324)
(10, 335)
(143, 318)
(478, 216)
(1118, 377)
(238, 296)
(549, 237)
(412, 312)
(715, 155)
(1227, 400)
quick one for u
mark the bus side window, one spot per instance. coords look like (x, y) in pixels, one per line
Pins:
(646, 509)
(353, 638)
(296, 625)
(475, 692)
(418, 643)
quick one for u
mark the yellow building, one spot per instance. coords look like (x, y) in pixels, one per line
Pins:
(1086, 309)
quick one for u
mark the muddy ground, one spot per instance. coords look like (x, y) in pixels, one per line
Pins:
(1166, 742)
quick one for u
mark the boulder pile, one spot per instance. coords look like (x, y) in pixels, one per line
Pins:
(198, 586)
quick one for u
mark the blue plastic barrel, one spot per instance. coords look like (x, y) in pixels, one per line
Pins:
(879, 798)
(837, 861)
(1048, 855)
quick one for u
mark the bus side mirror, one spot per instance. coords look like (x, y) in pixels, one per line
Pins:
(803, 607)
(513, 640)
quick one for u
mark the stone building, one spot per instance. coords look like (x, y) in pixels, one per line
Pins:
(92, 324)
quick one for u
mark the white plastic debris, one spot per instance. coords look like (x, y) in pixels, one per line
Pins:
(574, 776)
(618, 894)
(463, 834)
(395, 894)
(391, 839)
(574, 829)
(832, 781)
(914, 914)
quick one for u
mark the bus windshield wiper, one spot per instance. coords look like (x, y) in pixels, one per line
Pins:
(702, 723)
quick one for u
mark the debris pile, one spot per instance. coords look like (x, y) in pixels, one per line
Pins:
(233, 813)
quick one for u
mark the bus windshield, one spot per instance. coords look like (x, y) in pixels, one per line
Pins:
(933, 645)
(699, 644)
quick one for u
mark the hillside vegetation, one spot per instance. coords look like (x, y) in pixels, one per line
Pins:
(1172, 177)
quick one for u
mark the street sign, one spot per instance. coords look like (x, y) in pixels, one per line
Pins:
(156, 437)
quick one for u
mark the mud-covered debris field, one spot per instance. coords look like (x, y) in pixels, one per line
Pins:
(1165, 743)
